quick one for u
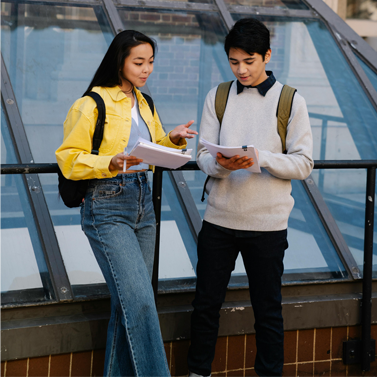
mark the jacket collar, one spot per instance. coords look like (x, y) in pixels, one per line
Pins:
(139, 96)
(117, 95)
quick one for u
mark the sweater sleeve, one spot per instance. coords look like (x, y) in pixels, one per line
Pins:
(209, 131)
(298, 162)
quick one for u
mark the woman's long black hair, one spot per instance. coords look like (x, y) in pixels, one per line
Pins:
(108, 73)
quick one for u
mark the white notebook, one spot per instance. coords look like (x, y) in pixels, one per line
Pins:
(244, 150)
(158, 155)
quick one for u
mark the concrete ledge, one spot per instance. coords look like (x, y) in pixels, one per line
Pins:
(81, 326)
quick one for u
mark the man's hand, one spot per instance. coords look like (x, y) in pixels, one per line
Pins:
(118, 160)
(235, 162)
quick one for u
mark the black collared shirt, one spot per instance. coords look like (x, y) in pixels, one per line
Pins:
(263, 87)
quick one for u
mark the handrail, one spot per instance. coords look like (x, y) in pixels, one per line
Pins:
(28, 168)
(370, 165)
(191, 165)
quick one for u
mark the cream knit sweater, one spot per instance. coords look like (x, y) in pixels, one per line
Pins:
(254, 201)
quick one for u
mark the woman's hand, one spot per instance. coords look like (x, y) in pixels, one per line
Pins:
(182, 132)
(235, 162)
(120, 159)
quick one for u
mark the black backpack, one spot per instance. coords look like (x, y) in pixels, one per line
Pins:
(73, 192)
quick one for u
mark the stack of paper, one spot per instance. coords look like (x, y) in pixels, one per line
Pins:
(245, 150)
(158, 155)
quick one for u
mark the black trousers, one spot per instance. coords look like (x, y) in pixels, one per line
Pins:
(262, 254)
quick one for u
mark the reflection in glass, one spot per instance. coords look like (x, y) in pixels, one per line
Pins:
(372, 76)
(344, 193)
(310, 256)
(178, 257)
(305, 56)
(190, 61)
(23, 267)
(309, 241)
(184, 1)
(282, 4)
(55, 51)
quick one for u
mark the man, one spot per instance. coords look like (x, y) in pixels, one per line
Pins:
(247, 212)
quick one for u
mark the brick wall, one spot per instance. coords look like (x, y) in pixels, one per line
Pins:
(185, 41)
(263, 3)
(179, 36)
(315, 352)
(75, 364)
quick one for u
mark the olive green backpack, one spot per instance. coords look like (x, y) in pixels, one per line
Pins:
(283, 112)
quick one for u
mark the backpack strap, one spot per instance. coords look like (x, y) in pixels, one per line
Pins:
(149, 101)
(100, 125)
(204, 188)
(284, 111)
(221, 99)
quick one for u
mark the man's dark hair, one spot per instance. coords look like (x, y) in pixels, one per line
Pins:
(250, 35)
(120, 48)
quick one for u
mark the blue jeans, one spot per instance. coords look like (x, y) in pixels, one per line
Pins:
(262, 254)
(118, 219)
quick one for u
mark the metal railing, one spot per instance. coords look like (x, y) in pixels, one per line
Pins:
(370, 165)
(366, 308)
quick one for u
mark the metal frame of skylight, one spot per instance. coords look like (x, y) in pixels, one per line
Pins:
(184, 195)
(60, 288)
(59, 278)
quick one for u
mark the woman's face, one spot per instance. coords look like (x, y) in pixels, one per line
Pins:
(138, 65)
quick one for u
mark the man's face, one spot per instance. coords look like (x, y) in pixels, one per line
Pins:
(250, 69)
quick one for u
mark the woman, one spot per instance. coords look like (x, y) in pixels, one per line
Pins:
(117, 213)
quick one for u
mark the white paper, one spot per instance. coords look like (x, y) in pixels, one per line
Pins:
(159, 155)
(247, 150)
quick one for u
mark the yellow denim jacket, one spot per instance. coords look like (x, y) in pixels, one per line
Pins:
(74, 155)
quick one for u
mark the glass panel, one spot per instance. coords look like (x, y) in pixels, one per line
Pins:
(24, 274)
(183, 1)
(190, 61)
(372, 76)
(310, 255)
(362, 9)
(317, 260)
(178, 256)
(344, 193)
(283, 4)
(55, 51)
(305, 56)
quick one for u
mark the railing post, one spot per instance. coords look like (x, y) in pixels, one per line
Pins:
(367, 273)
(157, 197)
